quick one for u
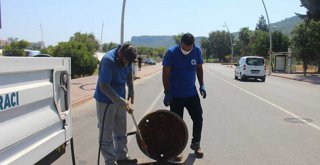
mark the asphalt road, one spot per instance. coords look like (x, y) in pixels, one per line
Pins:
(276, 122)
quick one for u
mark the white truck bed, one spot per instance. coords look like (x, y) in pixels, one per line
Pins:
(35, 111)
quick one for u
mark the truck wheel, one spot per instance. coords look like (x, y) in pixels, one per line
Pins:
(263, 79)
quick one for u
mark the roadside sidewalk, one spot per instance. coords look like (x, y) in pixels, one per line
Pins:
(311, 78)
(82, 89)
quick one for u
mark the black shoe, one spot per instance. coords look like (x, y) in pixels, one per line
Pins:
(127, 161)
(197, 150)
(178, 158)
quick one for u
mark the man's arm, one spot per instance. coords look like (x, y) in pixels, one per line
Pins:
(200, 74)
(111, 94)
(165, 77)
(130, 87)
(200, 79)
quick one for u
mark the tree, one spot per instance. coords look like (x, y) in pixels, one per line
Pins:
(259, 43)
(237, 50)
(161, 51)
(219, 44)
(205, 48)
(88, 40)
(280, 42)
(313, 7)
(306, 42)
(16, 48)
(106, 47)
(177, 38)
(82, 62)
(49, 50)
(244, 37)
(262, 24)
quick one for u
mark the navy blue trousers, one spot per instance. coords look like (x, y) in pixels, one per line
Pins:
(192, 104)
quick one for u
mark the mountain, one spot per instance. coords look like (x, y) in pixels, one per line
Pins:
(285, 26)
(157, 41)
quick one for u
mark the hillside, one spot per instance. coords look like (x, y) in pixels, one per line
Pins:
(157, 41)
(285, 26)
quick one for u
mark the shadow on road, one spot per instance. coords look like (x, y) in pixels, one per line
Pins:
(315, 79)
(189, 161)
(250, 80)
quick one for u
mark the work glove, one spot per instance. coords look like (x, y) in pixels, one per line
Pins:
(167, 98)
(124, 104)
(203, 91)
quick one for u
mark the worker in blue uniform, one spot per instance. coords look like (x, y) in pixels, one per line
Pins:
(115, 72)
(181, 65)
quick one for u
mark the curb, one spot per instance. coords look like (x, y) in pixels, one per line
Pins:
(90, 96)
(284, 77)
(146, 75)
(297, 79)
(81, 101)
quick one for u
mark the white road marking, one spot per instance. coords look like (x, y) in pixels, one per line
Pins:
(269, 102)
(150, 108)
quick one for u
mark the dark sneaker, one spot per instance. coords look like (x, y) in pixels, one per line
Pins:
(197, 150)
(127, 161)
(178, 158)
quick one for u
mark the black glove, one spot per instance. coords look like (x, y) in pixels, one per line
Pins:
(167, 98)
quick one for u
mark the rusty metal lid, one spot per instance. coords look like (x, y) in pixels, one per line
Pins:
(164, 133)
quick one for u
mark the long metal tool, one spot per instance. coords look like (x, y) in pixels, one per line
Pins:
(143, 144)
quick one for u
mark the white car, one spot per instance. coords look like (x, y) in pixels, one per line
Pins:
(250, 67)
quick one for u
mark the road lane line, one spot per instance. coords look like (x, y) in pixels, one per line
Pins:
(150, 108)
(269, 102)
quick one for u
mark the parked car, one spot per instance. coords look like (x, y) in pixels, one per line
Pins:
(150, 61)
(250, 67)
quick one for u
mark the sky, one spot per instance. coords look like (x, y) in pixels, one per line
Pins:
(60, 19)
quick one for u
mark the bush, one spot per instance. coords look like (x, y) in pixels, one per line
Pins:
(82, 62)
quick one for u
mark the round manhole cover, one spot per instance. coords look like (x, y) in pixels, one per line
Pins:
(165, 134)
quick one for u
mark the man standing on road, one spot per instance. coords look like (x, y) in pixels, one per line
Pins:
(115, 71)
(139, 62)
(181, 64)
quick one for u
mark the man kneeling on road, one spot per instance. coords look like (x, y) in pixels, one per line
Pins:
(115, 71)
(181, 64)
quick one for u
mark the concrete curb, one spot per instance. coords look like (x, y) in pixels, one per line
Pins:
(146, 75)
(291, 78)
(90, 96)
(81, 101)
(297, 79)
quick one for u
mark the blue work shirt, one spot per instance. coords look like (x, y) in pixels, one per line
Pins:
(183, 71)
(110, 73)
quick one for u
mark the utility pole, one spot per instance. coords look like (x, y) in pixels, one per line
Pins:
(42, 36)
(41, 32)
(122, 22)
(122, 35)
(225, 25)
(0, 16)
(270, 37)
(101, 36)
